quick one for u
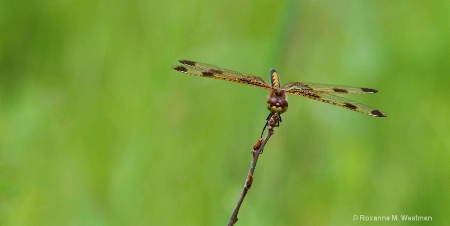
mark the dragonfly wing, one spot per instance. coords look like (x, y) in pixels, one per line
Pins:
(211, 71)
(293, 87)
(343, 102)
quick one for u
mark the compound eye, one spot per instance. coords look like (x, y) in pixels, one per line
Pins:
(273, 101)
(282, 103)
(277, 104)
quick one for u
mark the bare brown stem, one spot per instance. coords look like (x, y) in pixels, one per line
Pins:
(257, 150)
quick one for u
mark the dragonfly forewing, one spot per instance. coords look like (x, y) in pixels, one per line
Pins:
(293, 87)
(210, 71)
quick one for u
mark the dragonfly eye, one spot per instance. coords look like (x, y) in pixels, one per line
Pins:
(277, 104)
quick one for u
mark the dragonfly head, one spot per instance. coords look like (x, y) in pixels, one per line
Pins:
(277, 102)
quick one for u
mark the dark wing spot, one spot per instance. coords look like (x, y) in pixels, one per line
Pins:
(337, 90)
(377, 113)
(369, 90)
(180, 68)
(312, 95)
(215, 71)
(350, 106)
(188, 62)
(246, 80)
(207, 74)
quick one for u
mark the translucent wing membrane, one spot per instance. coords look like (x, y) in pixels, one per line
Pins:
(342, 102)
(315, 91)
(211, 71)
(293, 87)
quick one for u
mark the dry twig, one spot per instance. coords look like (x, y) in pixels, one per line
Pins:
(258, 148)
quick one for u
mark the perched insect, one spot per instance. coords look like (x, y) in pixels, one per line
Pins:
(277, 100)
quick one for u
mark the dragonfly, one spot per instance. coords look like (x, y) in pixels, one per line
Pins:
(277, 103)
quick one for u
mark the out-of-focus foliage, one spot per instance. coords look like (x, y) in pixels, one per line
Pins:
(97, 129)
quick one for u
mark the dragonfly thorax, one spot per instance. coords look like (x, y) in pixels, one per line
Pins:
(277, 102)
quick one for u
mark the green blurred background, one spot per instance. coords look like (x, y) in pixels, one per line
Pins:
(97, 129)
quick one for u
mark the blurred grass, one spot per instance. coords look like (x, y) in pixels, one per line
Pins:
(96, 129)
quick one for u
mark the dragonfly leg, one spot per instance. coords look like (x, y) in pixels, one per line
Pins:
(267, 123)
(277, 124)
